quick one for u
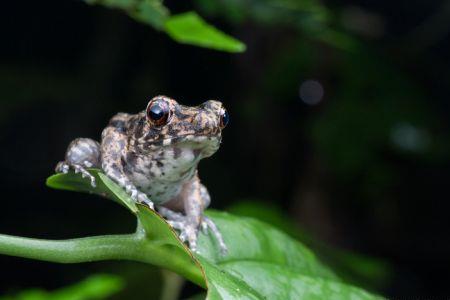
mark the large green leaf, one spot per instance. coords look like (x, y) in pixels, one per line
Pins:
(261, 263)
(361, 270)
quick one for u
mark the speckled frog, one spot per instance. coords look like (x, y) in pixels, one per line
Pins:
(153, 155)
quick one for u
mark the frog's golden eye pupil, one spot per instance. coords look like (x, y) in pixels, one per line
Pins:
(224, 119)
(158, 114)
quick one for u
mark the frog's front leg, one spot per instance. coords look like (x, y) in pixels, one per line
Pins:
(113, 152)
(82, 153)
(195, 199)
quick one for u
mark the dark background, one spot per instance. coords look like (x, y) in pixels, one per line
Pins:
(364, 168)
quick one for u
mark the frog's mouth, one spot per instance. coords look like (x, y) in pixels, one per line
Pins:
(192, 140)
(198, 140)
(206, 145)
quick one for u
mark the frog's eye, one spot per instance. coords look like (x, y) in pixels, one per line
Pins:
(158, 112)
(224, 118)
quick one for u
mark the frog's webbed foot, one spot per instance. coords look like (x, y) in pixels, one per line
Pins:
(64, 167)
(189, 230)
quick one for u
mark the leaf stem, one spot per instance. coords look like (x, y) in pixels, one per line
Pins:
(173, 284)
(108, 247)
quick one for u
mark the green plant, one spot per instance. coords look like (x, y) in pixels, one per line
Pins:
(186, 28)
(262, 263)
(99, 286)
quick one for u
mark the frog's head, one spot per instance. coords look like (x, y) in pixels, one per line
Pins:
(167, 124)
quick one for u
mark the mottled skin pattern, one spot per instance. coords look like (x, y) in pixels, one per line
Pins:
(157, 163)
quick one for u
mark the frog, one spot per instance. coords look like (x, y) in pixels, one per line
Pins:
(153, 155)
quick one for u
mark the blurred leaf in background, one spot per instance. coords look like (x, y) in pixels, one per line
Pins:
(95, 287)
(187, 28)
(190, 28)
(310, 17)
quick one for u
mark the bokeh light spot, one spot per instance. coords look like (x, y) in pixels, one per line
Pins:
(410, 138)
(311, 92)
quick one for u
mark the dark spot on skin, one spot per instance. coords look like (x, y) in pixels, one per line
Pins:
(176, 152)
(116, 171)
(159, 164)
(139, 128)
(177, 139)
(107, 140)
(163, 173)
(132, 158)
(197, 152)
(118, 124)
(173, 131)
(181, 116)
(127, 168)
(155, 143)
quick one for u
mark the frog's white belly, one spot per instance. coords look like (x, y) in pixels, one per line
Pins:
(161, 176)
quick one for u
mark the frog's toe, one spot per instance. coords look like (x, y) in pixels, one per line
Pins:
(188, 233)
(138, 196)
(84, 173)
(175, 224)
(170, 215)
(143, 199)
(64, 167)
(204, 227)
(216, 232)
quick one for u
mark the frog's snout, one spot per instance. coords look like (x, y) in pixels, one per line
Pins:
(207, 122)
(217, 115)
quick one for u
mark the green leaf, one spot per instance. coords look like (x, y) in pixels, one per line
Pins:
(262, 262)
(190, 28)
(150, 12)
(105, 187)
(266, 263)
(99, 286)
(187, 28)
(358, 269)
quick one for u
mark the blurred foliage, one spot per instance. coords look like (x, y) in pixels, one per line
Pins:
(187, 28)
(367, 89)
(310, 17)
(358, 269)
(150, 12)
(95, 287)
